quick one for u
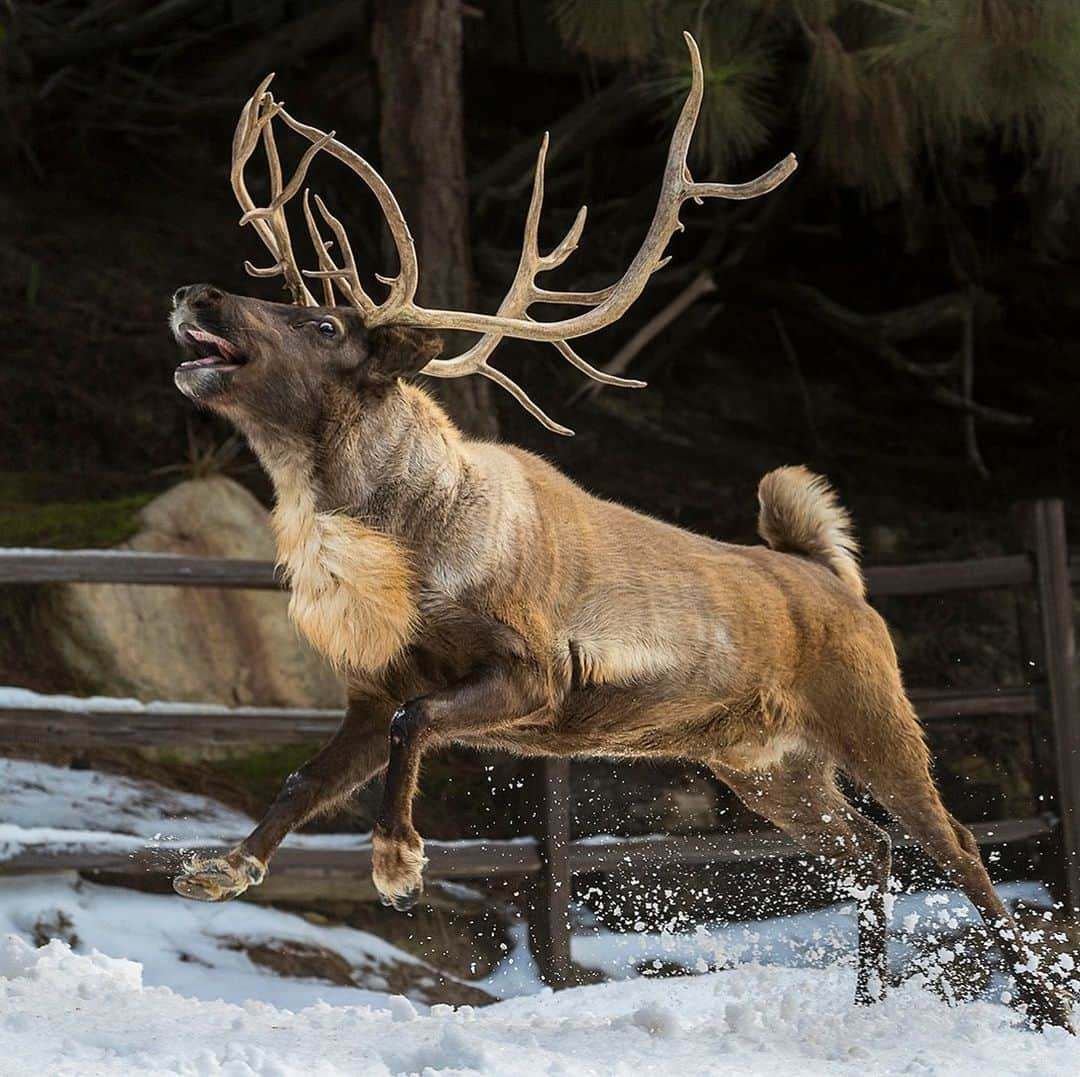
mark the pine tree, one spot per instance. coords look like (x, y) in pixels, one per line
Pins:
(879, 90)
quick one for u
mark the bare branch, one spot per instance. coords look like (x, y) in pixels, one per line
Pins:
(800, 381)
(863, 330)
(58, 50)
(967, 375)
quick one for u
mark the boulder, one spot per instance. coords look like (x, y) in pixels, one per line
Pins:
(196, 644)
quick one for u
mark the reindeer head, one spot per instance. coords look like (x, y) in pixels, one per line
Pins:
(274, 364)
(330, 337)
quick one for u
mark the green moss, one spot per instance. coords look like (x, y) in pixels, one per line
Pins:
(262, 772)
(71, 524)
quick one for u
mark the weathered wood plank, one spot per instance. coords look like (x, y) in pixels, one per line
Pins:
(111, 566)
(494, 858)
(117, 566)
(446, 860)
(938, 577)
(103, 727)
(1044, 533)
(948, 704)
(100, 726)
(642, 853)
(551, 890)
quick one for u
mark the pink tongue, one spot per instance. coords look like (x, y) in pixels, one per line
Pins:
(208, 360)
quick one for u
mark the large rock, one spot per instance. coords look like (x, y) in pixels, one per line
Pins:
(191, 643)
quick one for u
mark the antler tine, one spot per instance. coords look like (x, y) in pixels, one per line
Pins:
(403, 286)
(347, 278)
(523, 398)
(258, 271)
(562, 250)
(677, 186)
(244, 141)
(523, 292)
(328, 270)
(585, 299)
(271, 226)
(530, 245)
(569, 242)
(288, 192)
(276, 216)
(273, 161)
(574, 359)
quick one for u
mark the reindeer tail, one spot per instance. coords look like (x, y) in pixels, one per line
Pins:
(800, 514)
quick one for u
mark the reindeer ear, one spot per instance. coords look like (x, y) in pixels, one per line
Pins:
(398, 351)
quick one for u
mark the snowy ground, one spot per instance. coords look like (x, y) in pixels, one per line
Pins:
(179, 992)
(73, 1014)
(43, 805)
(202, 950)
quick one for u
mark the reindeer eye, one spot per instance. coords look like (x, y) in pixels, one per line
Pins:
(328, 328)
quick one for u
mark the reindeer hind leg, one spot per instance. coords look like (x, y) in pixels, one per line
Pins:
(895, 767)
(800, 796)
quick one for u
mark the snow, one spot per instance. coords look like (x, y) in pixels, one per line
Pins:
(38, 795)
(59, 809)
(68, 810)
(46, 553)
(816, 939)
(88, 1014)
(25, 699)
(136, 983)
(191, 946)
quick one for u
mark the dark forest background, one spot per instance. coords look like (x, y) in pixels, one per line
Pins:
(903, 314)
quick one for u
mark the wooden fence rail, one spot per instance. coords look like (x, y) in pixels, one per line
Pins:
(489, 858)
(552, 859)
(101, 725)
(115, 566)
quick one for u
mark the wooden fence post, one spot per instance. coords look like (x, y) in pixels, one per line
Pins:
(1044, 535)
(549, 915)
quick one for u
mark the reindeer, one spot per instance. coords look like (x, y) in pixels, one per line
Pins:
(469, 593)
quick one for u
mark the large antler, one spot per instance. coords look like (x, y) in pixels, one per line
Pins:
(524, 291)
(512, 319)
(256, 121)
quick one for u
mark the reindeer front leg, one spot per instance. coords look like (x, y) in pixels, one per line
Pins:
(352, 757)
(496, 693)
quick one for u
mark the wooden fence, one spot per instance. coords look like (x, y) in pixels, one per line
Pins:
(552, 858)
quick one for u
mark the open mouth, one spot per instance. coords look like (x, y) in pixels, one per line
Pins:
(210, 351)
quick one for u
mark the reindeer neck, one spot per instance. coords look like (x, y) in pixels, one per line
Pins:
(392, 461)
(353, 503)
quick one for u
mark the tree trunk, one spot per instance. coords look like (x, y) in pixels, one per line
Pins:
(417, 46)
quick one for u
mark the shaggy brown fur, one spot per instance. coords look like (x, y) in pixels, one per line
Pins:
(473, 594)
(352, 587)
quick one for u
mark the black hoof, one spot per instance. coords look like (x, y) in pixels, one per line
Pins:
(1046, 1007)
(405, 902)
